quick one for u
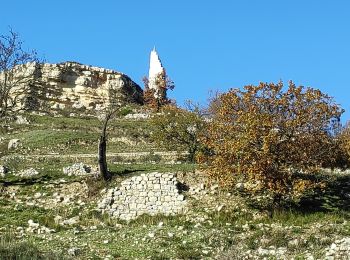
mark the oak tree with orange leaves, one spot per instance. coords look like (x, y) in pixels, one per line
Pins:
(343, 139)
(271, 136)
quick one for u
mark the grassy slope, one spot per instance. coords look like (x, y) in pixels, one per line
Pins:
(204, 232)
(74, 135)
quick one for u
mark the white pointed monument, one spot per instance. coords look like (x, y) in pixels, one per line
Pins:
(155, 68)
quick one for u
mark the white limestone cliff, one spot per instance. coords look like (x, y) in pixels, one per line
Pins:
(71, 85)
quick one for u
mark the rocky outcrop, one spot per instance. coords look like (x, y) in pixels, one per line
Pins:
(3, 171)
(14, 144)
(73, 86)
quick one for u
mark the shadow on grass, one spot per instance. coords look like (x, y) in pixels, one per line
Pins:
(335, 197)
(19, 181)
(11, 249)
(125, 172)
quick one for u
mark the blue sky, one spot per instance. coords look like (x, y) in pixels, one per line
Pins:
(204, 45)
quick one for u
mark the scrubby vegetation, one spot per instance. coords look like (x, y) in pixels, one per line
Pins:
(265, 149)
(178, 130)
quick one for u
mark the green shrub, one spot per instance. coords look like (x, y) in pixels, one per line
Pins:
(178, 129)
(125, 111)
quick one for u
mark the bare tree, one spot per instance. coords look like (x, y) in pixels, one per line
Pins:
(102, 146)
(15, 74)
(108, 113)
(114, 105)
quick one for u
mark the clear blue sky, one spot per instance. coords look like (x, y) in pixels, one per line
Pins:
(204, 45)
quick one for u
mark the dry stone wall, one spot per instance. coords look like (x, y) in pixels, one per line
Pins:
(153, 193)
(27, 173)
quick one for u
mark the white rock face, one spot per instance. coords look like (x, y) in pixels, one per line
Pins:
(137, 116)
(14, 144)
(21, 120)
(155, 68)
(36, 228)
(340, 249)
(76, 86)
(3, 171)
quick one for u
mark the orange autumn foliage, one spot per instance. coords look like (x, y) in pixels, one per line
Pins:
(344, 143)
(270, 137)
(156, 98)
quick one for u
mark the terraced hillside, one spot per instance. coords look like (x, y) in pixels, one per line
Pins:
(54, 214)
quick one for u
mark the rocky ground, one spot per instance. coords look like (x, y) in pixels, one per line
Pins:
(51, 204)
(63, 216)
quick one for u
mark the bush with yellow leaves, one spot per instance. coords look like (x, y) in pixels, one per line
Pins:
(270, 136)
(343, 140)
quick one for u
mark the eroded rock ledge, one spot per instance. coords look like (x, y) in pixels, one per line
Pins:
(71, 85)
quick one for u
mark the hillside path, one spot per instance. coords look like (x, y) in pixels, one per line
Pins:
(92, 155)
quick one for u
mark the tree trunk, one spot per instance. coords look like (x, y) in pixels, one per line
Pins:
(102, 157)
(191, 154)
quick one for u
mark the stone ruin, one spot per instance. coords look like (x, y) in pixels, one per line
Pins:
(153, 193)
(77, 169)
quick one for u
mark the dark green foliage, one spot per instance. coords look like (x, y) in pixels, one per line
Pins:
(178, 129)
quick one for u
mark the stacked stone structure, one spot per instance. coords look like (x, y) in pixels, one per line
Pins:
(153, 193)
(77, 169)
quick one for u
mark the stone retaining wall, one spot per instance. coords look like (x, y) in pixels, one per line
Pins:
(153, 193)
